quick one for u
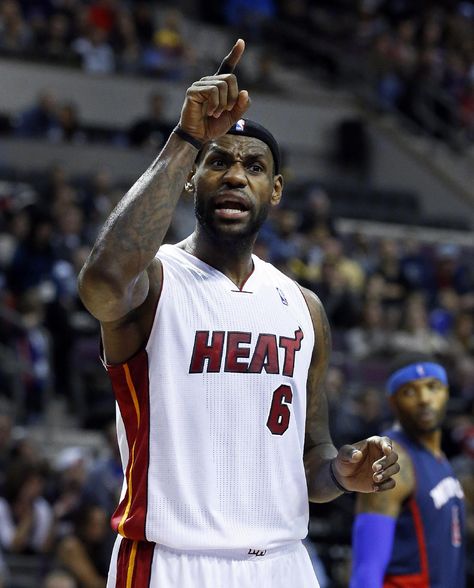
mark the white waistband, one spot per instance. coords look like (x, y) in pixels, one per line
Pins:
(250, 553)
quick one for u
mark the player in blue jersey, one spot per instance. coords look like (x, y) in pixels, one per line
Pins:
(413, 536)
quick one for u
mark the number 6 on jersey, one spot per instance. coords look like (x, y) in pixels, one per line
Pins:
(279, 416)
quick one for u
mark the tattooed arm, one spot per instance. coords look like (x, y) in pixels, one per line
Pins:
(120, 281)
(319, 448)
(365, 466)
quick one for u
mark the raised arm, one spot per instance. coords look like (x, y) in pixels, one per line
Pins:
(365, 466)
(374, 528)
(121, 280)
(115, 279)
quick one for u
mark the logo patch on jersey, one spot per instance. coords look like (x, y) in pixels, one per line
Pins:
(240, 125)
(282, 297)
(420, 370)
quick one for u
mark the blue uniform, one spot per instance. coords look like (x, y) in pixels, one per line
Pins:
(428, 549)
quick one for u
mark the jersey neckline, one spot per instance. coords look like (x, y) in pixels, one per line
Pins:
(248, 285)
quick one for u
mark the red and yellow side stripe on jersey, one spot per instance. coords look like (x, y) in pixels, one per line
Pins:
(131, 387)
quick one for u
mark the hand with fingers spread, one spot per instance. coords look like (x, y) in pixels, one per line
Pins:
(366, 466)
(214, 103)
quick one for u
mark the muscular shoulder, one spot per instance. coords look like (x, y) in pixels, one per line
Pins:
(389, 503)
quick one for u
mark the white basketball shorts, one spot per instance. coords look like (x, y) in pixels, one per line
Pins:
(137, 564)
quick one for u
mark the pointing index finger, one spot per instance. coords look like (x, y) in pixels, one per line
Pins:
(230, 61)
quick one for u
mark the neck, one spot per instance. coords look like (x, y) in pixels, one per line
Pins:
(232, 257)
(430, 440)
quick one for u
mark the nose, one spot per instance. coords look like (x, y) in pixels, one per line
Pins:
(235, 175)
(424, 395)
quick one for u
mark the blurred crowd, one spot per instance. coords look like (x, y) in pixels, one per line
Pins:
(415, 58)
(54, 513)
(422, 65)
(100, 36)
(49, 119)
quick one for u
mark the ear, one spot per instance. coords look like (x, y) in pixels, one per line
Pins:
(277, 189)
(189, 185)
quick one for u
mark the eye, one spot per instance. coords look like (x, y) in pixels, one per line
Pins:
(409, 392)
(218, 163)
(256, 168)
(435, 385)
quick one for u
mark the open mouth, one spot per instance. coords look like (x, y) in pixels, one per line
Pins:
(231, 208)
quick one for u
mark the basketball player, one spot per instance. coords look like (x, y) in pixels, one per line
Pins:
(413, 536)
(216, 360)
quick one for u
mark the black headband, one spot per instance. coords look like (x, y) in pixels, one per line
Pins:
(250, 128)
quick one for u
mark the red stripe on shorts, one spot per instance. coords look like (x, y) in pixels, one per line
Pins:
(134, 563)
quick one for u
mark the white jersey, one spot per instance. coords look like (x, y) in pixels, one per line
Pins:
(211, 417)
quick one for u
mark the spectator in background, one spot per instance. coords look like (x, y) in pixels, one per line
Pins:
(33, 347)
(416, 267)
(349, 269)
(69, 129)
(362, 251)
(41, 119)
(59, 579)
(450, 270)
(318, 223)
(97, 56)
(126, 44)
(339, 299)
(26, 519)
(33, 260)
(85, 552)
(281, 236)
(144, 21)
(168, 56)
(15, 35)
(102, 14)
(71, 467)
(152, 130)
(57, 42)
(390, 268)
(443, 311)
(463, 333)
(104, 482)
(371, 337)
(415, 334)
